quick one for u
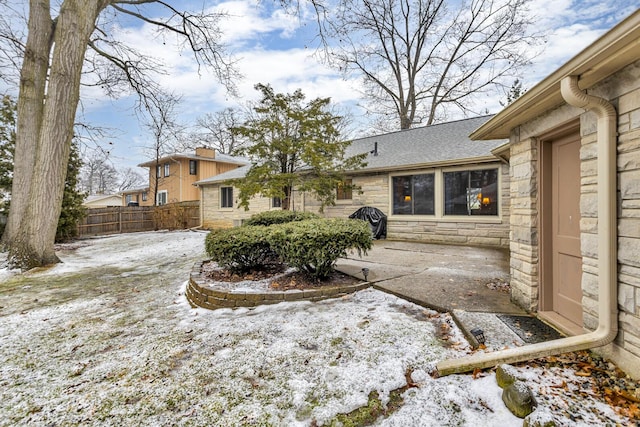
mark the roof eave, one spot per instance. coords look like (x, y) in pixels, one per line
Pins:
(610, 53)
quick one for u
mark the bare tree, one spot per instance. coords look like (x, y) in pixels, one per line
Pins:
(97, 175)
(54, 54)
(421, 59)
(215, 130)
(165, 131)
(130, 178)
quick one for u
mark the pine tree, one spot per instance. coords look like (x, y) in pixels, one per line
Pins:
(72, 209)
(7, 145)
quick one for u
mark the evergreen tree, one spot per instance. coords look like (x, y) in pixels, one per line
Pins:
(72, 209)
(7, 144)
(294, 144)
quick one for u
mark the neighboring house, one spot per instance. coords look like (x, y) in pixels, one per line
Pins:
(433, 183)
(176, 173)
(102, 201)
(575, 193)
(137, 197)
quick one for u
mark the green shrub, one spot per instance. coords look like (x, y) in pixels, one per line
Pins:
(240, 249)
(314, 246)
(279, 217)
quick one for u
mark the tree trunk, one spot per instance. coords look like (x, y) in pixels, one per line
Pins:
(31, 244)
(29, 113)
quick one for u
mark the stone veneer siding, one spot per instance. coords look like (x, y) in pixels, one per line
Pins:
(476, 230)
(623, 91)
(213, 216)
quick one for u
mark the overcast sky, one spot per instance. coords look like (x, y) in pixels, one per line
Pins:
(275, 48)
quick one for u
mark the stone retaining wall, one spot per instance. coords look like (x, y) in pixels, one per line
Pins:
(200, 293)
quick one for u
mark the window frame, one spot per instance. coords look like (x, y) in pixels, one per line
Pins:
(412, 196)
(276, 202)
(144, 196)
(159, 171)
(226, 200)
(161, 193)
(167, 170)
(344, 195)
(439, 194)
(193, 167)
(469, 195)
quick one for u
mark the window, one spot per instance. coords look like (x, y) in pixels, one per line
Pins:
(166, 169)
(226, 197)
(193, 167)
(413, 194)
(128, 198)
(344, 190)
(276, 202)
(162, 198)
(472, 192)
(144, 196)
(159, 172)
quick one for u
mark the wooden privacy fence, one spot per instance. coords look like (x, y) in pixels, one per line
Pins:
(130, 219)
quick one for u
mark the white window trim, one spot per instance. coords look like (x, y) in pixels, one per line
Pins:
(166, 197)
(167, 170)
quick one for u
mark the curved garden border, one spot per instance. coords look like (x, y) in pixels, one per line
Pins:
(202, 294)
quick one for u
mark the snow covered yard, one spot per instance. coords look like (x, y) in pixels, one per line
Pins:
(107, 338)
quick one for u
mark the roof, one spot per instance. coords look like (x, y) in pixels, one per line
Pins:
(428, 146)
(236, 173)
(219, 157)
(95, 197)
(135, 190)
(616, 49)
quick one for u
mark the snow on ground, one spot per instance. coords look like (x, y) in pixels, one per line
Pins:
(107, 338)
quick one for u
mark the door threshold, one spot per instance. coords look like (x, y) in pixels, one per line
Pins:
(561, 323)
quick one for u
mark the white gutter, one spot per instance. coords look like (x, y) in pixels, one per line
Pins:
(607, 251)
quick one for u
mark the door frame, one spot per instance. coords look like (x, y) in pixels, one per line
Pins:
(545, 238)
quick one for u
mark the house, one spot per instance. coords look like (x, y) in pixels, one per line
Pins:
(574, 143)
(433, 183)
(176, 174)
(138, 196)
(102, 201)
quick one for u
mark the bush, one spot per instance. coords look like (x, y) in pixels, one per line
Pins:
(314, 246)
(240, 249)
(279, 217)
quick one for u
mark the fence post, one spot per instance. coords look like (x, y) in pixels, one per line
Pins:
(120, 219)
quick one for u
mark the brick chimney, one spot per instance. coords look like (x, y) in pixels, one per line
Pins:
(206, 152)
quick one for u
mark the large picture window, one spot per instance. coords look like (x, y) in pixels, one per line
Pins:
(226, 197)
(473, 192)
(413, 194)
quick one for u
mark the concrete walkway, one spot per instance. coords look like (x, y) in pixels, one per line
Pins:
(462, 280)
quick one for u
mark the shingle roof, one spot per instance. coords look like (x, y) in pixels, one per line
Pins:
(439, 144)
(435, 144)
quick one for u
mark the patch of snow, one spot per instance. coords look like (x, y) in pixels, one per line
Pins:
(108, 339)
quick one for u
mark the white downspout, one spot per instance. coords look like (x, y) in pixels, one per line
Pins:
(607, 251)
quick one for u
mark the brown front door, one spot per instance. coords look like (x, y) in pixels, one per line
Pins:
(565, 228)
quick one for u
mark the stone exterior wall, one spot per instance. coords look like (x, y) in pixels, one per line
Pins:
(623, 91)
(213, 216)
(477, 230)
